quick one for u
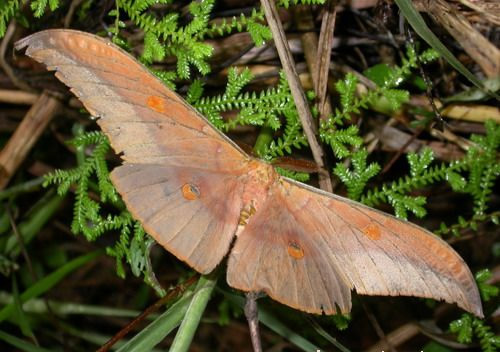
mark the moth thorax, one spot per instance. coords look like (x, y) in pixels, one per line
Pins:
(261, 173)
(258, 180)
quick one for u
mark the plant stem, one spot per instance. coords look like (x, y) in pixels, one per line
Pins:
(49, 281)
(299, 97)
(191, 320)
(29, 186)
(29, 228)
(264, 138)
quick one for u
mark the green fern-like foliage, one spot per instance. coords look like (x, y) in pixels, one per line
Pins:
(253, 24)
(8, 10)
(234, 99)
(39, 6)
(484, 167)
(259, 109)
(346, 141)
(296, 175)
(90, 219)
(421, 174)
(480, 162)
(86, 219)
(287, 3)
(481, 171)
(469, 327)
(165, 37)
(341, 139)
(474, 174)
(356, 179)
(293, 136)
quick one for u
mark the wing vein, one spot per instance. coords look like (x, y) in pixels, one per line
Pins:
(174, 235)
(114, 72)
(408, 244)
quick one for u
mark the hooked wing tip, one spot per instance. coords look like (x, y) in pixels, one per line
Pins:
(21, 43)
(476, 308)
(27, 41)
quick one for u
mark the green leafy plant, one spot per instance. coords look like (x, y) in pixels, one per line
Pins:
(480, 162)
(473, 175)
(8, 10)
(86, 219)
(39, 6)
(287, 3)
(253, 108)
(467, 327)
(356, 179)
(343, 139)
(90, 220)
(165, 37)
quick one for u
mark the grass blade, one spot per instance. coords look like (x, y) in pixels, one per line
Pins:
(49, 281)
(417, 22)
(46, 207)
(191, 320)
(155, 332)
(269, 320)
(22, 321)
(20, 344)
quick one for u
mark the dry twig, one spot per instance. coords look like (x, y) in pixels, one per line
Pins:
(297, 92)
(5, 65)
(309, 41)
(325, 45)
(25, 136)
(17, 97)
(474, 43)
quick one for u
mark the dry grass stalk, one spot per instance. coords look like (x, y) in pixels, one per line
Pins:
(25, 136)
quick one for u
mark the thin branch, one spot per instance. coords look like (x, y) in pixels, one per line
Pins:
(376, 326)
(71, 12)
(5, 65)
(251, 313)
(309, 40)
(22, 246)
(325, 45)
(25, 136)
(175, 292)
(297, 92)
(17, 97)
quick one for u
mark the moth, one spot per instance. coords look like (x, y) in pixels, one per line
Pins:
(202, 198)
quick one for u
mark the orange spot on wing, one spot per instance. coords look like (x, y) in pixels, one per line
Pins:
(372, 231)
(190, 192)
(156, 103)
(295, 250)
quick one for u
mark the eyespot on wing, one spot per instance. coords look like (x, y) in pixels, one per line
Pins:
(190, 191)
(295, 250)
(372, 231)
(156, 103)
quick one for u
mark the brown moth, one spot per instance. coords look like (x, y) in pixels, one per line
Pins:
(201, 197)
